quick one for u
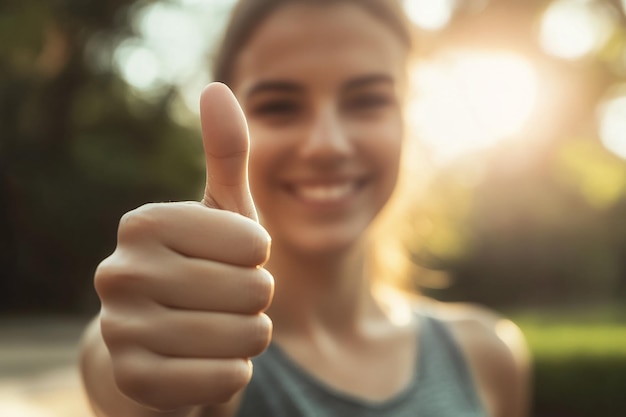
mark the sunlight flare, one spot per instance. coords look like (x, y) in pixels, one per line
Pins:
(466, 101)
(613, 125)
(572, 29)
(430, 14)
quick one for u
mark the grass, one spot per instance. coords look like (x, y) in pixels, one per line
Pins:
(579, 358)
(591, 331)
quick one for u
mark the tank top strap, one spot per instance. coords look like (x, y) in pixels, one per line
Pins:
(442, 368)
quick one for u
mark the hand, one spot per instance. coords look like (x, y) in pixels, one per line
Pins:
(184, 292)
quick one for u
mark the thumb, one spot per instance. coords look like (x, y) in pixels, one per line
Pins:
(226, 148)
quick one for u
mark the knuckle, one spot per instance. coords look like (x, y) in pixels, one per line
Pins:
(158, 397)
(260, 334)
(139, 222)
(232, 379)
(140, 380)
(260, 290)
(109, 327)
(117, 332)
(134, 379)
(259, 245)
(114, 278)
(106, 278)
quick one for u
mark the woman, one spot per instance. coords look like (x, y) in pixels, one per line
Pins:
(187, 296)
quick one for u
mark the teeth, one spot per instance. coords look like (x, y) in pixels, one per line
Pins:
(325, 192)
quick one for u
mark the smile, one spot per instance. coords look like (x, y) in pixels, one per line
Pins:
(326, 193)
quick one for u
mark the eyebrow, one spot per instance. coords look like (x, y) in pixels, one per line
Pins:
(274, 86)
(279, 86)
(368, 80)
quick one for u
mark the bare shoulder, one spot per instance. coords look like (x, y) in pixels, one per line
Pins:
(497, 354)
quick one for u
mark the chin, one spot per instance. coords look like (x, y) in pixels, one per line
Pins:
(325, 243)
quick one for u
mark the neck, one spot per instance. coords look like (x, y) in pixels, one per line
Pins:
(329, 290)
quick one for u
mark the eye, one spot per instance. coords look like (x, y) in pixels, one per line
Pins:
(276, 108)
(369, 102)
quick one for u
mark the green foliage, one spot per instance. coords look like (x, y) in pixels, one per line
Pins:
(544, 233)
(579, 361)
(78, 149)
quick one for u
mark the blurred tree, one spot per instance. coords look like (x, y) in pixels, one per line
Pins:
(78, 149)
(541, 224)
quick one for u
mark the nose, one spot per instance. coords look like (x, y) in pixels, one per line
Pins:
(327, 138)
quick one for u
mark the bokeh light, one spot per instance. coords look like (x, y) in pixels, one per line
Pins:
(175, 38)
(430, 14)
(572, 29)
(137, 64)
(13, 407)
(613, 124)
(466, 101)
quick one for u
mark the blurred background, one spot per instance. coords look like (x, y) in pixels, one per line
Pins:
(515, 173)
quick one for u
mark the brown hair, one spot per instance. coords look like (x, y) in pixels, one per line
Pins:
(247, 15)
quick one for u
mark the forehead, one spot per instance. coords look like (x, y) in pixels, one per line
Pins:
(319, 43)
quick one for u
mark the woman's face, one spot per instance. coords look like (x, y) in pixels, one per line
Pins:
(321, 89)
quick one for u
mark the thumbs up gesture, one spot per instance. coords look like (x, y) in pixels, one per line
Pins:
(184, 292)
(225, 140)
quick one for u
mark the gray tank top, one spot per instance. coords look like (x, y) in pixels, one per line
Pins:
(442, 385)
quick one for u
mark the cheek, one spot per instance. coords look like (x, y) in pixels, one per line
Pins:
(385, 145)
(267, 151)
(257, 168)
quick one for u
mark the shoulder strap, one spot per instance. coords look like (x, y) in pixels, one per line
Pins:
(444, 373)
